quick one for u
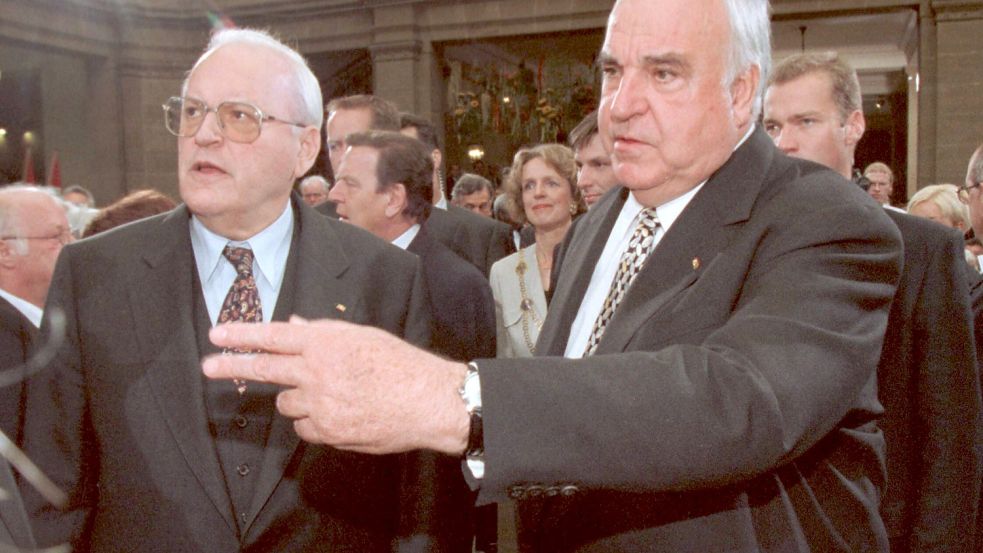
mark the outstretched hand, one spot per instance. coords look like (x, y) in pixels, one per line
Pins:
(352, 387)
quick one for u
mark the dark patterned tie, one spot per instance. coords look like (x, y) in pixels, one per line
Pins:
(242, 302)
(640, 245)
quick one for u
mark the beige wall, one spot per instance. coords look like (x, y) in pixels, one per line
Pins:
(110, 65)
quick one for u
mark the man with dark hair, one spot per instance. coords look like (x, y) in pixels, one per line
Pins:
(595, 175)
(473, 193)
(384, 186)
(927, 376)
(479, 240)
(357, 113)
(153, 458)
(705, 377)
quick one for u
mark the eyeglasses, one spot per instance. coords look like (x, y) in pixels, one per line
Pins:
(239, 121)
(63, 237)
(964, 191)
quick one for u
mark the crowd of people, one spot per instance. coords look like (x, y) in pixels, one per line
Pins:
(696, 327)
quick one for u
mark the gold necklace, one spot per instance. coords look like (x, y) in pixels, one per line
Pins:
(528, 309)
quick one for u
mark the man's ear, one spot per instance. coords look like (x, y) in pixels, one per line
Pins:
(743, 91)
(854, 127)
(7, 254)
(310, 147)
(397, 200)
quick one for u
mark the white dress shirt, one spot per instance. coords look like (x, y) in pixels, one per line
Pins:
(403, 240)
(30, 311)
(270, 248)
(607, 265)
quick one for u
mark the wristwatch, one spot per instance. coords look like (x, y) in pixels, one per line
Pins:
(470, 392)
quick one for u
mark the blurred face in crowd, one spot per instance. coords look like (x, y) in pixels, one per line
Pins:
(237, 189)
(881, 186)
(31, 244)
(342, 123)
(973, 196)
(479, 202)
(547, 197)
(665, 114)
(595, 176)
(804, 121)
(356, 191)
(76, 198)
(314, 193)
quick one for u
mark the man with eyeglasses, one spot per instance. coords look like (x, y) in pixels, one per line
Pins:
(154, 458)
(927, 376)
(33, 229)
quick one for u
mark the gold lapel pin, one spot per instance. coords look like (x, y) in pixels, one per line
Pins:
(696, 263)
(340, 307)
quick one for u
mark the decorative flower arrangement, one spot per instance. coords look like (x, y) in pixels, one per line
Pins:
(517, 104)
(467, 117)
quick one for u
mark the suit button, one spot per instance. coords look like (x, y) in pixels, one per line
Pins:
(517, 492)
(241, 421)
(552, 491)
(569, 490)
(535, 490)
(243, 469)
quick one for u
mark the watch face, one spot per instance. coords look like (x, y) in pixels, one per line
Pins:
(471, 391)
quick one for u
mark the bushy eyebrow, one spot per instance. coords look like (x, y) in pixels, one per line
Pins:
(669, 60)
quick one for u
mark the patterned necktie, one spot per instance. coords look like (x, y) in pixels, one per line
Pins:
(640, 245)
(242, 302)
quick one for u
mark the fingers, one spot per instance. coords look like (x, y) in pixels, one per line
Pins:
(272, 337)
(285, 370)
(290, 403)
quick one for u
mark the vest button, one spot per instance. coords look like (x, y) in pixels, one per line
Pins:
(243, 469)
(241, 421)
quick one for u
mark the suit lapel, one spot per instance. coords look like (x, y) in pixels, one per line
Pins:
(587, 241)
(160, 291)
(319, 292)
(704, 229)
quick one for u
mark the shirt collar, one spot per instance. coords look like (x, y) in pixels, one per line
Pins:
(30, 311)
(442, 202)
(403, 240)
(270, 247)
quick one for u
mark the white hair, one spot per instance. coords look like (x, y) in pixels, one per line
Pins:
(315, 179)
(11, 215)
(308, 88)
(750, 44)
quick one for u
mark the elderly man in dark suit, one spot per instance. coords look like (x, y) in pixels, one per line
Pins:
(153, 457)
(33, 229)
(927, 376)
(707, 372)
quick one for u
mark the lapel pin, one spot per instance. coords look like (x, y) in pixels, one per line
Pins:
(696, 263)
(340, 307)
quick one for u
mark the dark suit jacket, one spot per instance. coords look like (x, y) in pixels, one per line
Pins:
(327, 208)
(731, 403)
(17, 335)
(462, 310)
(479, 240)
(119, 420)
(463, 328)
(928, 383)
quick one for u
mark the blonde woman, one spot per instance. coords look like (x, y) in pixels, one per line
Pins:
(541, 191)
